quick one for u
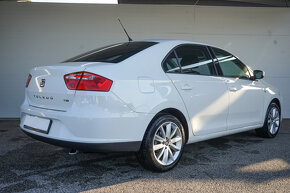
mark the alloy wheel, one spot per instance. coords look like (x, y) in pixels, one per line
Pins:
(273, 120)
(167, 143)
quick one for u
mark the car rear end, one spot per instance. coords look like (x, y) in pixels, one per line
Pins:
(80, 103)
(68, 106)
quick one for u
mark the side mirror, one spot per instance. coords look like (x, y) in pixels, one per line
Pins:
(258, 74)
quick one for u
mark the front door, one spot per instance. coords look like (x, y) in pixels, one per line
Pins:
(246, 97)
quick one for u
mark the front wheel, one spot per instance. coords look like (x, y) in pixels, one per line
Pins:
(162, 144)
(272, 122)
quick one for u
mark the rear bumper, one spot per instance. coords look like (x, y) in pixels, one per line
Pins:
(94, 122)
(95, 147)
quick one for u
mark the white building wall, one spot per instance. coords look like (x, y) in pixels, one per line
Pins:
(34, 34)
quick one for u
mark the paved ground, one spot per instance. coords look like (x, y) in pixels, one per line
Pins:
(237, 163)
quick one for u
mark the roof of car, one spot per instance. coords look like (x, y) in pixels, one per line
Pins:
(175, 41)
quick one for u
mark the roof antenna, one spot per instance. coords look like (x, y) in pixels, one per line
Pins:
(125, 30)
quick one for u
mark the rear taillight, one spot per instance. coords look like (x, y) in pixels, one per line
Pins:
(91, 81)
(72, 80)
(28, 80)
(87, 81)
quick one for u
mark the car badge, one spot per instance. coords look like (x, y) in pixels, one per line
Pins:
(42, 83)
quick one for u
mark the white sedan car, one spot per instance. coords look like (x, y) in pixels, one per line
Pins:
(150, 97)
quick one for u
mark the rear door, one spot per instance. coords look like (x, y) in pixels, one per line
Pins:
(246, 96)
(191, 69)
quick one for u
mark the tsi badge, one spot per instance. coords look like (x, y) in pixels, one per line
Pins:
(42, 83)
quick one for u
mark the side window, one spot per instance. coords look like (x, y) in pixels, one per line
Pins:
(230, 65)
(195, 59)
(171, 64)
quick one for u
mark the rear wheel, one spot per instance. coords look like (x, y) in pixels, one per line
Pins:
(162, 144)
(272, 122)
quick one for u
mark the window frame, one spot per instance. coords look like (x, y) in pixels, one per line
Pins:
(165, 58)
(180, 69)
(220, 69)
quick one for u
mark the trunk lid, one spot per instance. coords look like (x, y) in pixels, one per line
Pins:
(47, 88)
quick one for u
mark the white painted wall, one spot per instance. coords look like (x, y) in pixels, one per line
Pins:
(39, 34)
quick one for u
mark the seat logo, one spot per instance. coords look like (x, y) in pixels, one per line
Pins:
(42, 83)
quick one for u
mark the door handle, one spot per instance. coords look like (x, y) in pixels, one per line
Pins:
(233, 89)
(186, 87)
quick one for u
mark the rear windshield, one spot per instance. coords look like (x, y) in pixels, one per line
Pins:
(113, 53)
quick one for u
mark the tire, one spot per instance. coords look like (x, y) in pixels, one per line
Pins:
(272, 122)
(167, 143)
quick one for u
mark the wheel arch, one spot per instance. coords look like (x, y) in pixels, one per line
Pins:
(269, 102)
(176, 113)
(277, 101)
